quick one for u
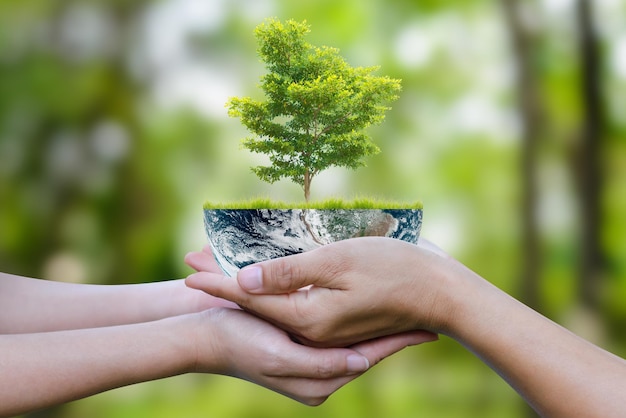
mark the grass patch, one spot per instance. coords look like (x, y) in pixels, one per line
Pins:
(334, 203)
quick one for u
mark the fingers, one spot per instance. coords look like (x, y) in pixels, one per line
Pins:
(322, 363)
(311, 375)
(311, 392)
(286, 274)
(216, 285)
(281, 275)
(327, 363)
(266, 306)
(202, 260)
(320, 372)
(277, 309)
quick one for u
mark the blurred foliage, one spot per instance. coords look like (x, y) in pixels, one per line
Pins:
(113, 133)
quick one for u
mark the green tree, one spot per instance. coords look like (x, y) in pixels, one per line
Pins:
(317, 107)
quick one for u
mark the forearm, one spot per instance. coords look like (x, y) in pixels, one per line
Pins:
(557, 372)
(39, 370)
(33, 305)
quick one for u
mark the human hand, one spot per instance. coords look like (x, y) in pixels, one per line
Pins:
(244, 346)
(342, 293)
(204, 261)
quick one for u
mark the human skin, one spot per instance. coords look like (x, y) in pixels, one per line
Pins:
(364, 288)
(60, 342)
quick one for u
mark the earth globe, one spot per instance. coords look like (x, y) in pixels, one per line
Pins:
(239, 237)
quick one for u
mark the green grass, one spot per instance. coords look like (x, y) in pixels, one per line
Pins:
(360, 203)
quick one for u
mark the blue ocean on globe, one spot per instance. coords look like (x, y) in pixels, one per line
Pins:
(239, 237)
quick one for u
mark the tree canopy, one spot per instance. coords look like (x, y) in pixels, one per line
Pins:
(316, 110)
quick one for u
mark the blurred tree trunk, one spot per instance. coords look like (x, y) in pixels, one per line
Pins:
(587, 164)
(522, 38)
(523, 41)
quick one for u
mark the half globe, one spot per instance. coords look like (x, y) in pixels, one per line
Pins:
(239, 237)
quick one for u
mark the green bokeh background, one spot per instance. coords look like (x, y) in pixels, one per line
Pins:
(113, 133)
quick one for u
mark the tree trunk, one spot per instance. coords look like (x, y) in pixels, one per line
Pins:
(529, 103)
(307, 185)
(529, 106)
(587, 166)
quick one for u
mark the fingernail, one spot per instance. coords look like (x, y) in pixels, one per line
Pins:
(357, 364)
(250, 278)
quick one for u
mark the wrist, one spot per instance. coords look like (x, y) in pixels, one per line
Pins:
(205, 352)
(454, 291)
(469, 302)
(181, 300)
(184, 300)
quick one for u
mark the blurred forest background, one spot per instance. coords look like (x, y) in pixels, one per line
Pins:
(510, 129)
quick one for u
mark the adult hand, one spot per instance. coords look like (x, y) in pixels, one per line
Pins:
(365, 287)
(342, 293)
(238, 344)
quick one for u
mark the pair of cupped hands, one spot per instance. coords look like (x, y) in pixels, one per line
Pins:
(348, 305)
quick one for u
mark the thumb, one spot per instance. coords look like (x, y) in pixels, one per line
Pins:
(280, 275)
